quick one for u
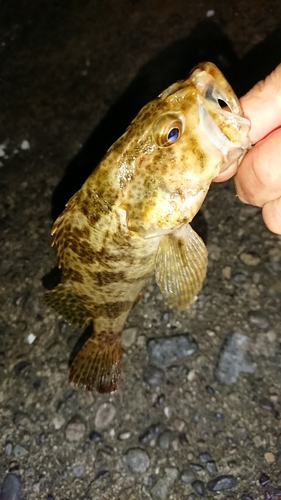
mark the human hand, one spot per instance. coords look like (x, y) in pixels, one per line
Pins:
(258, 178)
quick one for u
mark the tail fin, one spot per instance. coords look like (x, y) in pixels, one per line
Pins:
(98, 365)
(65, 302)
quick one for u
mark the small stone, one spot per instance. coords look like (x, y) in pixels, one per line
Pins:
(161, 488)
(123, 436)
(199, 487)
(153, 375)
(234, 359)
(19, 451)
(150, 433)
(95, 436)
(165, 439)
(269, 457)
(75, 429)
(210, 390)
(210, 13)
(165, 351)
(78, 470)
(25, 145)
(257, 319)
(196, 467)
(30, 338)
(211, 467)
(226, 272)
(179, 424)
(205, 457)
(10, 488)
(137, 460)
(249, 258)
(105, 415)
(264, 479)
(58, 422)
(129, 336)
(188, 476)
(172, 473)
(8, 448)
(222, 483)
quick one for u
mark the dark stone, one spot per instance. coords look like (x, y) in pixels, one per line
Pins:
(153, 375)
(95, 436)
(264, 479)
(10, 488)
(149, 433)
(222, 483)
(199, 487)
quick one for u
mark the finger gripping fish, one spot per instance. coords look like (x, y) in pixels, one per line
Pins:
(131, 217)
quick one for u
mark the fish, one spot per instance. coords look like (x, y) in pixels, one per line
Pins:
(131, 218)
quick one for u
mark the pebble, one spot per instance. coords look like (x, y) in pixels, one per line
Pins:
(222, 483)
(124, 435)
(58, 422)
(25, 145)
(11, 488)
(250, 258)
(183, 439)
(234, 359)
(75, 429)
(165, 351)
(257, 319)
(264, 479)
(153, 375)
(188, 476)
(137, 460)
(105, 415)
(199, 487)
(129, 336)
(161, 488)
(205, 457)
(269, 457)
(211, 467)
(95, 436)
(164, 439)
(20, 451)
(78, 470)
(8, 448)
(150, 433)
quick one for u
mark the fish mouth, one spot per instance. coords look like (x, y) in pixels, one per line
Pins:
(220, 115)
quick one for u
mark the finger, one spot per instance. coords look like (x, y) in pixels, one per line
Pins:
(271, 213)
(258, 179)
(227, 174)
(262, 105)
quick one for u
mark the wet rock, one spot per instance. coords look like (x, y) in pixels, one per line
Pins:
(105, 415)
(256, 318)
(164, 439)
(165, 351)
(234, 359)
(222, 483)
(199, 487)
(75, 429)
(153, 375)
(10, 488)
(188, 476)
(137, 460)
(20, 451)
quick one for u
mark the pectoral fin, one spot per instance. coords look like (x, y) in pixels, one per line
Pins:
(181, 266)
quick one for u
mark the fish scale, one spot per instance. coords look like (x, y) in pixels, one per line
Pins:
(131, 217)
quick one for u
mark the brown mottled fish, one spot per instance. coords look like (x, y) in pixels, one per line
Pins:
(131, 217)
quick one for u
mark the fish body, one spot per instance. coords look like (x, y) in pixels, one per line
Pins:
(131, 217)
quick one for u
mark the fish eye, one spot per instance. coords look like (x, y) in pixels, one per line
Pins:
(168, 130)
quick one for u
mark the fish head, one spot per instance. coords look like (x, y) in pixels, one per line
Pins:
(193, 131)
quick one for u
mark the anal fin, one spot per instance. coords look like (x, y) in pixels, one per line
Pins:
(67, 303)
(181, 265)
(99, 363)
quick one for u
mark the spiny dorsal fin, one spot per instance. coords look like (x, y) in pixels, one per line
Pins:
(180, 266)
(98, 365)
(65, 302)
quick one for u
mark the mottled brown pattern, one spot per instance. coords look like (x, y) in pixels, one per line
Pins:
(110, 232)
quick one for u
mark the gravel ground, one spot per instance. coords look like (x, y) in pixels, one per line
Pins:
(197, 412)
